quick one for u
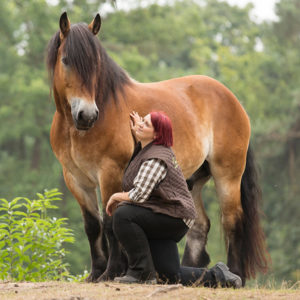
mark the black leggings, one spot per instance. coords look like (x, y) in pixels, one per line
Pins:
(149, 240)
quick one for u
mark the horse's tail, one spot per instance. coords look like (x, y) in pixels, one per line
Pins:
(255, 257)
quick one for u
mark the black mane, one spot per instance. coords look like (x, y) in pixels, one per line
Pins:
(85, 55)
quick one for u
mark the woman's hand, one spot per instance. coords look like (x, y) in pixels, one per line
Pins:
(111, 205)
(114, 200)
(135, 121)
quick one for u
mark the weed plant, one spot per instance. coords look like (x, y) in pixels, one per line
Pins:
(31, 242)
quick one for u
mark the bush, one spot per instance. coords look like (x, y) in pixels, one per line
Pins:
(31, 242)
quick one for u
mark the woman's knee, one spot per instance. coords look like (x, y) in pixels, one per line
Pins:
(118, 216)
(121, 215)
(119, 212)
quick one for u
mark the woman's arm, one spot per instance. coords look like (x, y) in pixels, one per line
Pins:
(151, 172)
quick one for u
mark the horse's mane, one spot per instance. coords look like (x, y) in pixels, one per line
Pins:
(84, 53)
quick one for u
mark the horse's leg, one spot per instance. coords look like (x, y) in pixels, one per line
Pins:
(87, 199)
(228, 189)
(240, 194)
(117, 261)
(195, 254)
(110, 182)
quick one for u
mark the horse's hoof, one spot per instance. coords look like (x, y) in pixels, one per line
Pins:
(89, 279)
(104, 277)
(109, 275)
(93, 277)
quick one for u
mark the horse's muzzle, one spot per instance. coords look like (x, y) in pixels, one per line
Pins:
(84, 114)
(85, 121)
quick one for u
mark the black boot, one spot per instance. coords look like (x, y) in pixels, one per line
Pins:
(224, 277)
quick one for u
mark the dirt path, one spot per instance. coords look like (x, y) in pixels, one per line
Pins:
(111, 291)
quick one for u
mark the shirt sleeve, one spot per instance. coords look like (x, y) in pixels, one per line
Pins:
(151, 172)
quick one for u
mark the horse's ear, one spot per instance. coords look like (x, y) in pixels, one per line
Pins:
(64, 25)
(95, 25)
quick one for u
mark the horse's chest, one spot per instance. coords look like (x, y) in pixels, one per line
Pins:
(79, 160)
(85, 161)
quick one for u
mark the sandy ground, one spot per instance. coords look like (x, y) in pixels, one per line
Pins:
(84, 291)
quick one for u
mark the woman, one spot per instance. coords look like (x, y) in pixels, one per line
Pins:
(156, 210)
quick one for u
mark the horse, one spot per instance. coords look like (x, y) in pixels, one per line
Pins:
(92, 139)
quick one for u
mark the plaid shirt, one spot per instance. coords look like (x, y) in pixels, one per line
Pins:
(151, 173)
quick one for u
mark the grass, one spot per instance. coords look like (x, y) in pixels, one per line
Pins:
(110, 290)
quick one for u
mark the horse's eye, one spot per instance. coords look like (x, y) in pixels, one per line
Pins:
(65, 61)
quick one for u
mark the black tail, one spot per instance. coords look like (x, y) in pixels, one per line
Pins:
(255, 257)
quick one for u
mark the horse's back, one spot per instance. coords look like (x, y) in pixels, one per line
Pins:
(199, 92)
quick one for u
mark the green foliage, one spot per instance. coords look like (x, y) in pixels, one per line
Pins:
(31, 242)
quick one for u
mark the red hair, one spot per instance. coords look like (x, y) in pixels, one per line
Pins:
(163, 128)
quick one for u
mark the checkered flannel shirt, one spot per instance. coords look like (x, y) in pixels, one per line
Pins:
(151, 172)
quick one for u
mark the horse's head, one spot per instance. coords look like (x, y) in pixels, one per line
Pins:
(74, 62)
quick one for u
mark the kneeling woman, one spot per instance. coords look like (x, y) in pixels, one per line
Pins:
(156, 210)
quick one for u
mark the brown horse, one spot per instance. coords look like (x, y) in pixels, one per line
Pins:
(91, 138)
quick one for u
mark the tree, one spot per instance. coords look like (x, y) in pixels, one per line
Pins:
(279, 138)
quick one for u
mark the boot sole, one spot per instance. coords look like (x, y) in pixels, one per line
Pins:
(153, 281)
(237, 280)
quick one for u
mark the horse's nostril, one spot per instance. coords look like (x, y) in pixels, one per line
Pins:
(80, 116)
(97, 115)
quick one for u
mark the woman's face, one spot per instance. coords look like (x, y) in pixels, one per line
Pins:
(145, 131)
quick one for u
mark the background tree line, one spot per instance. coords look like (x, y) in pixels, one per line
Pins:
(259, 62)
